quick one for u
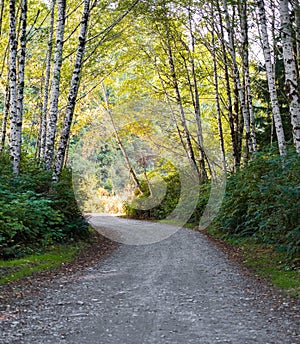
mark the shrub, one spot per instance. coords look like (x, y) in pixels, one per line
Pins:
(35, 214)
(263, 201)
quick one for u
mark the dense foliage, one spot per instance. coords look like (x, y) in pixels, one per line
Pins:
(263, 201)
(35, 214)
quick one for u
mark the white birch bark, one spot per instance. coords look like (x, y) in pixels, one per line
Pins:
(271, 78)
(72, 93)
(13, 45)
(21, 78)
(55, 85)
(44, 115)
(290, 69)
(296, 8)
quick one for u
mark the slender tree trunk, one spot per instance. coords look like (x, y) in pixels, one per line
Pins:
(5, 116)
(44, 114)
(217, 96)
(187, 136)
(167, 96)
(75, 81)
(243, 13)
(296, 8)
(291, 80)
(21, 76)
(196, 97)
(271, 78)
(233, 116)
(55, 85)
(120, 144)
(14, 121)
(236, 76)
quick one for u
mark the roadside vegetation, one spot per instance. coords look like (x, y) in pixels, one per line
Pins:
(34, 213)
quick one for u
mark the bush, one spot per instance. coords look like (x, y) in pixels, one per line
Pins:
(165, 208)
(263, 201)
(35, 214)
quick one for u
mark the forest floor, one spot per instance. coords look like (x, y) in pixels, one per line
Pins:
(183, 289)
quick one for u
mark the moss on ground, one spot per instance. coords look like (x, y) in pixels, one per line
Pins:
(13, 270)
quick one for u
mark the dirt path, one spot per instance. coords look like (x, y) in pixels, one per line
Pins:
(181, 290)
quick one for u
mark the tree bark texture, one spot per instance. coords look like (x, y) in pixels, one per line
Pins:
(55, 85)
(290, 68)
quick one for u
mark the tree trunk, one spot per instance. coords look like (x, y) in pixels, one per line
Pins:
(290, 69)
(271, 78)
(75, 81)
(5, 117)
(21, 76)
(236, 76)
(44, 114)
(217, 96)
(120, 144)
(232, 116)
(296, 8)
(187, 136)
(196, 102)
(243, 13)
(55, 85)
(14, 122)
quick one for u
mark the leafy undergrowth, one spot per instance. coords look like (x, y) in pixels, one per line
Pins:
(265, 261)
(13, 270)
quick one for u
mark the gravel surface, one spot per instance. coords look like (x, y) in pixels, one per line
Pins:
(182, 290)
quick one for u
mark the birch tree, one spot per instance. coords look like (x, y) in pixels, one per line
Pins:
(44, 114)
(72, 93)
(243, 14)
(14, 120)
(21, 76)
(55, 85)
(233, 116)
(290, 68)
(271, 77)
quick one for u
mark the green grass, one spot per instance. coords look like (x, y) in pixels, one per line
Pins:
(13, 270)
(265, 261)
(268, 263)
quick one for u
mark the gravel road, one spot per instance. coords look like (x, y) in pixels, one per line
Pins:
(182, 290)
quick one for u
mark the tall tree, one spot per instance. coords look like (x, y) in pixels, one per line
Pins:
(243, 14)
(237, 79)
(44, 114)
(290, 68)
(15, 149)
(55, 85)
(271, 77)
(60, 158)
